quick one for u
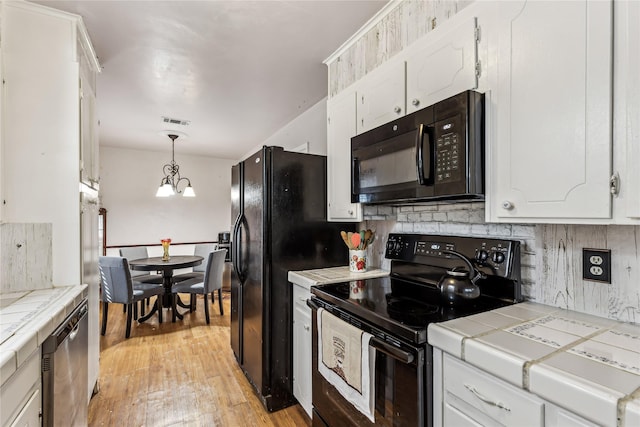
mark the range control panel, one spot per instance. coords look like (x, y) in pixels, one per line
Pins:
(494, 256)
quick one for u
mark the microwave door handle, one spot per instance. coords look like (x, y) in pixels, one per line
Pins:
(424, 170)
(396, 353)
(424, 154)
(355, 179)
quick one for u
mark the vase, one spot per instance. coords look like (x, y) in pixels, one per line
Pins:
(357, 261)
(165, 249)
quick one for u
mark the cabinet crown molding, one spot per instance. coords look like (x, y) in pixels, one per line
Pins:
(371, 23)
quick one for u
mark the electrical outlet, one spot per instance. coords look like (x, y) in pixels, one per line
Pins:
(596, 265)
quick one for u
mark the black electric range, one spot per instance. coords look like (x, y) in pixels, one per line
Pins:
(404, 303)
(396, 310)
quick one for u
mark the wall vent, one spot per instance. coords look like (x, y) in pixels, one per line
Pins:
(173, 121)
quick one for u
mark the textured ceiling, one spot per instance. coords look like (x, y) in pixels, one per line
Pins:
(237, 70)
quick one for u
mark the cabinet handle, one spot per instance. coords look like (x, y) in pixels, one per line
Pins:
(306, 327)
(486, 400)
(303, 299)
(350, 213)
(415, 102)
(507, 205)
(397, 110)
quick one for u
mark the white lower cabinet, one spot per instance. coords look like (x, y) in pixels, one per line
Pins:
(487, 400)
(555, 416)
(467, 396)
(29, 416)
(20, 395)
(302, 348)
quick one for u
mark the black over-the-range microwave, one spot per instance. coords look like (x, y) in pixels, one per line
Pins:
(436, 153)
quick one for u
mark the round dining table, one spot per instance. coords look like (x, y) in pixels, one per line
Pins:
(158, 264)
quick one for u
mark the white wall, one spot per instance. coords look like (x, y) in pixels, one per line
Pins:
(309, 127)
(130, 178)
(128, 184)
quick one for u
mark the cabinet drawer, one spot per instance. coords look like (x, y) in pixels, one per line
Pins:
(482, 397)
(18, 389)
(300, 297)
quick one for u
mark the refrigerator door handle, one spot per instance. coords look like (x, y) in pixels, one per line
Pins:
(237, 247)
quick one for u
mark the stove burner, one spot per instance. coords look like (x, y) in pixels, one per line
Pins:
(409, 311)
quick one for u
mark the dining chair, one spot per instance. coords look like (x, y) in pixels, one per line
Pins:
(117, 287)
(139, 252)
(203, 250)
(139, 276)
(211, 282)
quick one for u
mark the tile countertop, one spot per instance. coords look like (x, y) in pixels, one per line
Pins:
(28, 318)
(586, 364)
(323, 276)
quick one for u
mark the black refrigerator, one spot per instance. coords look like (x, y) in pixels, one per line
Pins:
(279, 211)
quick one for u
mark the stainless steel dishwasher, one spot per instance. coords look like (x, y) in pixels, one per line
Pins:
(65, 372)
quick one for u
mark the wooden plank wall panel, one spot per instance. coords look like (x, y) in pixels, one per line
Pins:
(559, 267)
(405, 24)
(551, 254)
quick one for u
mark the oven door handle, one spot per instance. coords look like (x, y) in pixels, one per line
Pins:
(312, 305)
(398, 354)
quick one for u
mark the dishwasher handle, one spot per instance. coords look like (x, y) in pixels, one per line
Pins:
(67, 329)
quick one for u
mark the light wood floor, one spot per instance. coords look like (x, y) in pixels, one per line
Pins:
(181, 374)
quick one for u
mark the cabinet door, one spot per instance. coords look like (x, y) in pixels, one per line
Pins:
(549, 132)
(555, 416)
(626, 136)
(453, 417)
(29, 416)
(89, 167)
(487, 399)
(443, 64)
(341, 127)
(381, 95)
(302, 348)
(91, 277)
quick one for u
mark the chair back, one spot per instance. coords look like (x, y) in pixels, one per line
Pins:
(215, 269)
(203, 250)
(115, 279)
(137, 252)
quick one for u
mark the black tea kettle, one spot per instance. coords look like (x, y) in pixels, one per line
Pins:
(458, 286)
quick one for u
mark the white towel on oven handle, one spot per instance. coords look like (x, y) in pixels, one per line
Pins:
(365, 402)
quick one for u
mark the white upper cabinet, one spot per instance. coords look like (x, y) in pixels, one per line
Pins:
(89, 156)
(626, 108)
(443, 63)
(341, 127)
(381, 95)
(549, 120)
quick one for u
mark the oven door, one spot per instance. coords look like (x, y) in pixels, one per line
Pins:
(402, 394)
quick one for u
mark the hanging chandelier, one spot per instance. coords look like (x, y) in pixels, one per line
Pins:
(169, 184)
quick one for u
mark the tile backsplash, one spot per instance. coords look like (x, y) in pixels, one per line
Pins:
(25, 257)
(551, 254)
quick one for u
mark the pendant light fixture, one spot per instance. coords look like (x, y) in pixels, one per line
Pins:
(169, 184)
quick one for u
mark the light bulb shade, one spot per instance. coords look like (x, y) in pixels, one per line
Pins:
(188, 192)
(160, 192)
(168, 189)
(165, 190)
